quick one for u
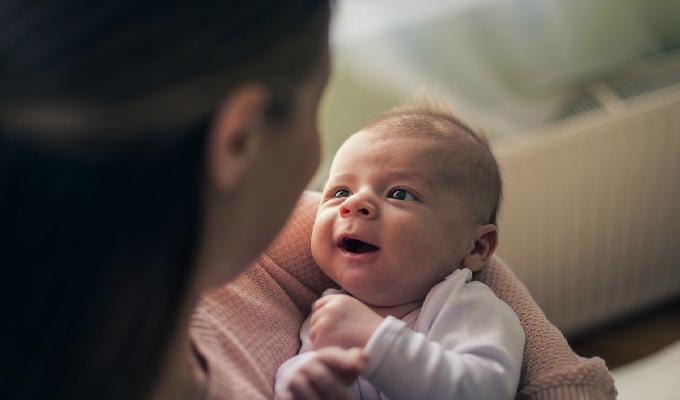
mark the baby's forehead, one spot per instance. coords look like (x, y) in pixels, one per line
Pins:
(426, 127)
(421, 124)
(436, 157)
(448, 144)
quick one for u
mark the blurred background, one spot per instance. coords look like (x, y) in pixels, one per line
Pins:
(581, 100)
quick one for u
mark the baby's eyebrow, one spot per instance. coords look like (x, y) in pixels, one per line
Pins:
(326, 185)
(341, 177)
(409, 175)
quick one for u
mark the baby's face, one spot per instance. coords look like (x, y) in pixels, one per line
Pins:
(389, 227)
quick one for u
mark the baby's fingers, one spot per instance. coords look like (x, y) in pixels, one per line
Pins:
(326, 382)
(300, 387)
(346, 363)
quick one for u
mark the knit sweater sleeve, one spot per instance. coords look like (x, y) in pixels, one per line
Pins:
(550, 369)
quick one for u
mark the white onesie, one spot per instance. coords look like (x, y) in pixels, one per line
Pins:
(463, 343)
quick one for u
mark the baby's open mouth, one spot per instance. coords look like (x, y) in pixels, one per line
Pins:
(357, 246)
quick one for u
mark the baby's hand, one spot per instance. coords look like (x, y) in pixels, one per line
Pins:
(341, 320)
(327, 374)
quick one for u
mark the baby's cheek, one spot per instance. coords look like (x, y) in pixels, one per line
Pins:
(415, 248)
(320, 239)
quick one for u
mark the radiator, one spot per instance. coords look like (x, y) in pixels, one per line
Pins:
(591, 215)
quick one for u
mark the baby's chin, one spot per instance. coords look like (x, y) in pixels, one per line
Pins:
(366, 285)
(395, 307)
(386, 299)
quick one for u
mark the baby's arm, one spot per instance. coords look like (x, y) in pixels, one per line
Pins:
(472, 350)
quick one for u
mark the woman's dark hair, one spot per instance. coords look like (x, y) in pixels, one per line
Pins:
(104, 110)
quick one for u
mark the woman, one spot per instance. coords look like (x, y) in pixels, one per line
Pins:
(147, 152)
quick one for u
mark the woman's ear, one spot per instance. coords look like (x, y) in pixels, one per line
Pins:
(486, 240)
(235, 135)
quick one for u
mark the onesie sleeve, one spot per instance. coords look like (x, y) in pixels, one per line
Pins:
(471, 348)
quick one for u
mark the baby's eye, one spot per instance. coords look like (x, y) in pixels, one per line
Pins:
(341, 193)
(401, 194)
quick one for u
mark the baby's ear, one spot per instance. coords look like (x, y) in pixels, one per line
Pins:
(486, 240)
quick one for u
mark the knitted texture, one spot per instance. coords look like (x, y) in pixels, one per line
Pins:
(550, 369)
(247, 328)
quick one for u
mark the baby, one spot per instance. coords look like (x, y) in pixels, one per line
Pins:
(408, 214)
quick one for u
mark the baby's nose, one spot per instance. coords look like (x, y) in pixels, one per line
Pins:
(358, 208)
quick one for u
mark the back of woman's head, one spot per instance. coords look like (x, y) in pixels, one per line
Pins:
(104, 111)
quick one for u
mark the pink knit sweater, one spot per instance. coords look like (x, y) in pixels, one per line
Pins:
(247, 328)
